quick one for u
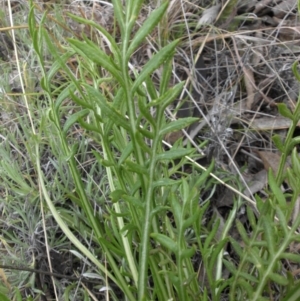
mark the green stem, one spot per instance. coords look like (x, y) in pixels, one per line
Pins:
(143, 264)
(146, 185)
(287, 145)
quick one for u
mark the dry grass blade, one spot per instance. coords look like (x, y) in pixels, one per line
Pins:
(33, 131)
(250, 86)
(209, 15)
(284, 8)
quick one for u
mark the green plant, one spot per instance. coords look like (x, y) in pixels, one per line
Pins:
(261, 261)
(125, 206)
(117, 113)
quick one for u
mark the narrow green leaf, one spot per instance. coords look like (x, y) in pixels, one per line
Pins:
(95, 54)
(151, 88)
(252, 218)
(242, 232)
(3, 297)
(189, 221)
(140, 140)
(295, 238)
(246, 287)
(101, 161)
(60, 62)
(168, 97)
(129, 228)
(293, 180)
(174, 279)
(259, 244)
(135, 9)
(118, 100)
(89, 126)
(45, 85)
(165, 241)
(134, 167)
(177, 210)
(118, 106)
(177, 125)
(77, 100)
(294, 228)
(295, 163)
(166, 75)
(204, 176)
(154, 63)
(255, 258)
(276, 190)
(133, 201)
(184, 192)
(159, 209)
(260, 204)
(174, 154)
(106, 163)
(73, 118)
(294, 142)
(146, 112)
(19, 296)
(187, 254)
(285, 111)
(165, 182)
(211, 236)
(145, 133)
(63, 95)
(118, 12)
(295, 70)
(31, 20)
(269, 234)
(230, 266)
(115, 249)
(283, 221)
(290, 257)
(135, 187)
(146, 28)
(248, 276)
(291, 280)
(116, 137)
(113, 46)
(198, 224)
(237, 247)
(278, 143)
(116, 195)
(218, 248)
(281, 280)
(294, 293)
(126, 153)
(132, 11)
(98, 98)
